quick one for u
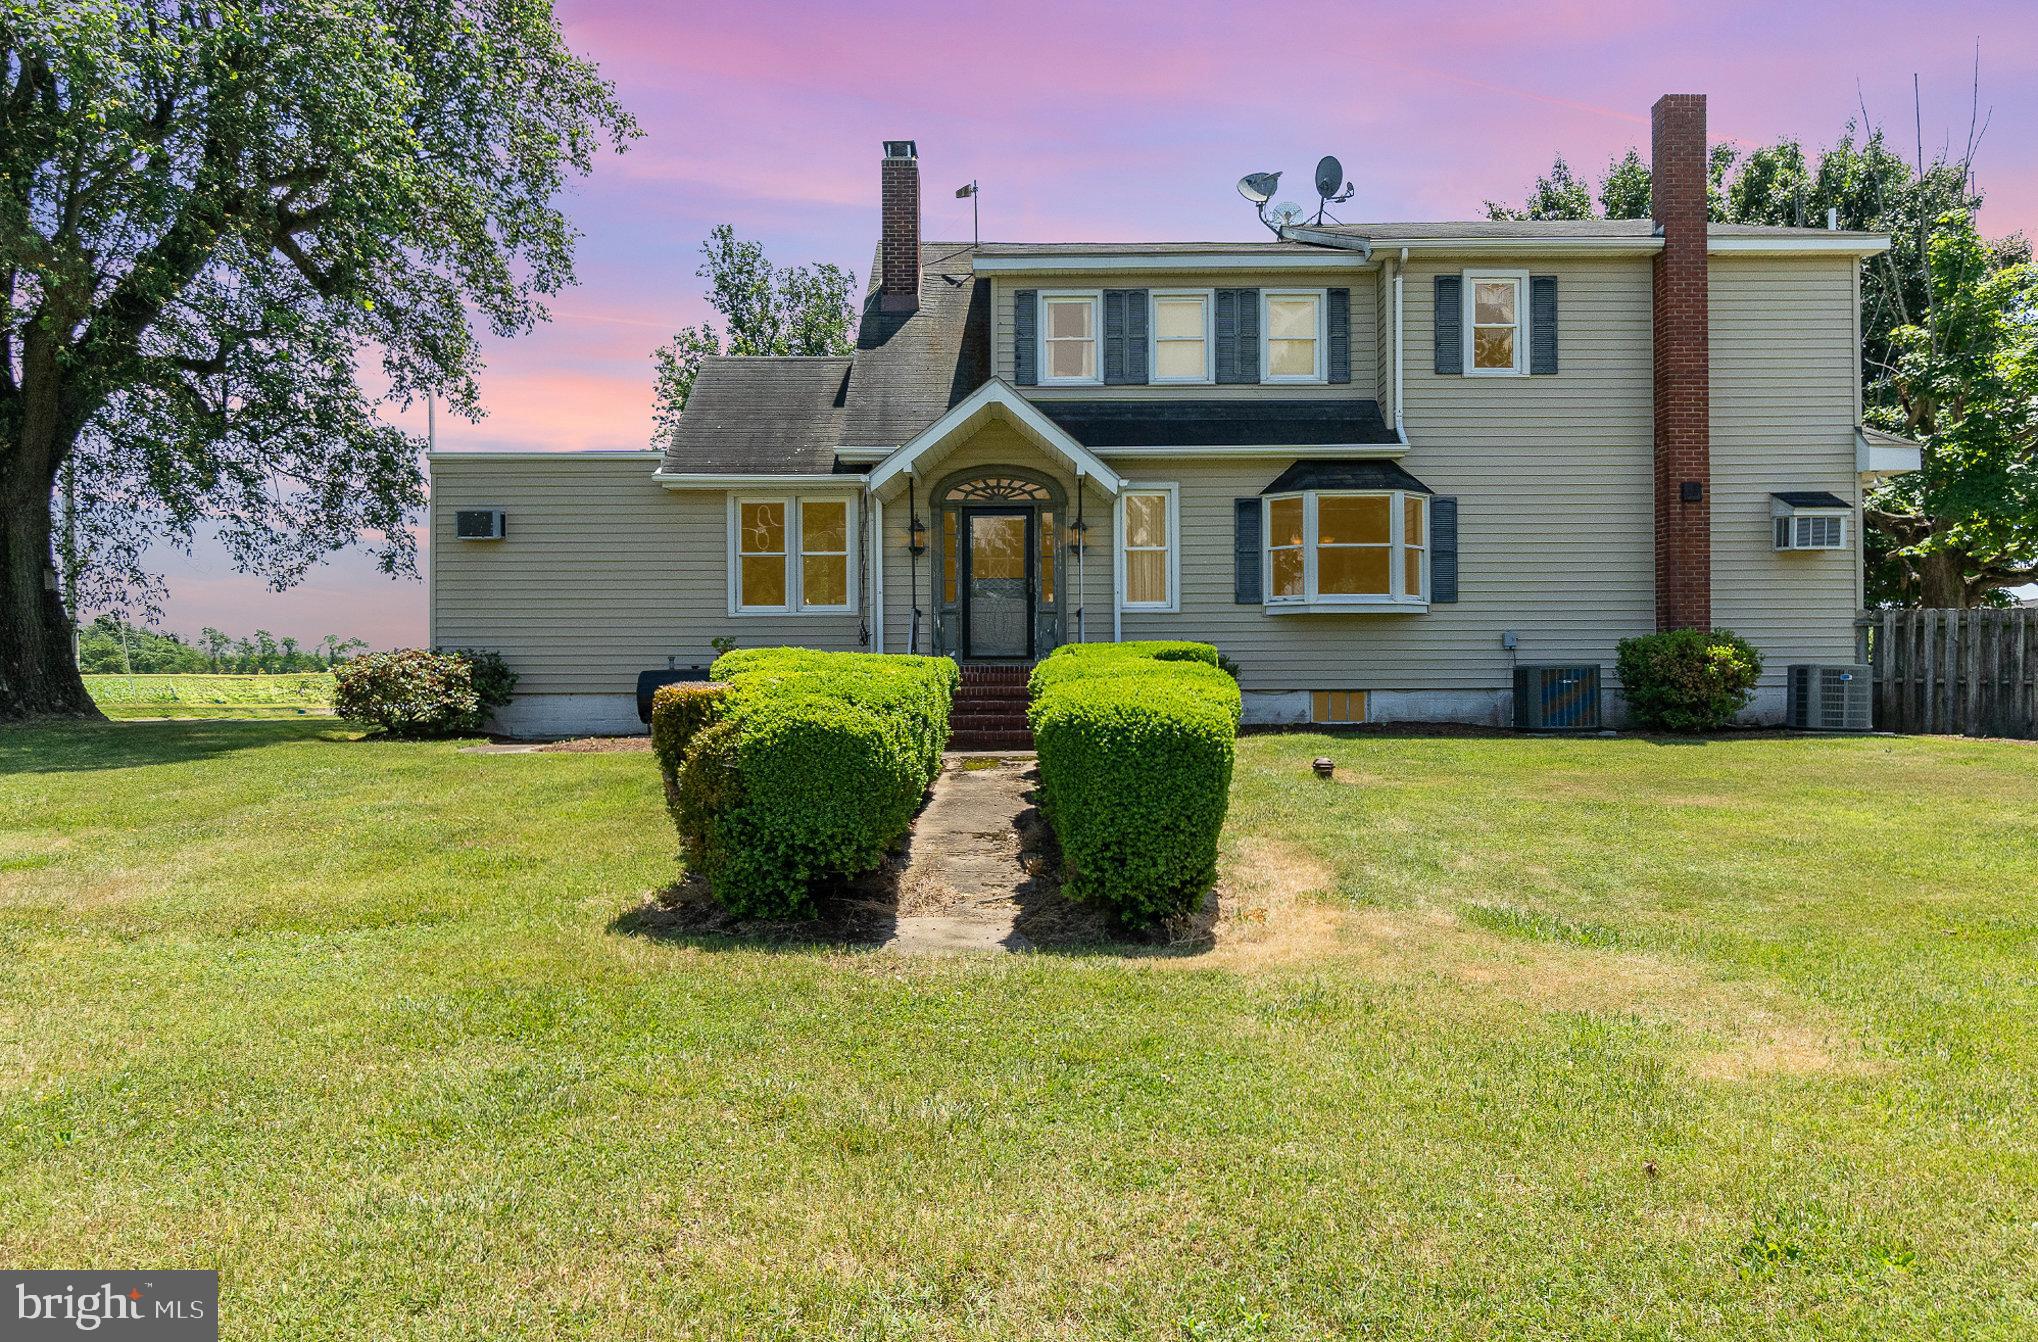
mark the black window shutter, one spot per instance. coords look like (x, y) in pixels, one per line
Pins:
(1125, 336)
(1443, 550)
(1246, 551)
(1238, 335)
(1542, 323)
(1340, 363)
(1026, 337)
(1450, 323)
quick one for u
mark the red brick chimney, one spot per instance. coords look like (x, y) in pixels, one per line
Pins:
(1677, 202)
(899, 278)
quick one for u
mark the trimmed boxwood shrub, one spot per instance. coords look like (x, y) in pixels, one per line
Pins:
(799, 766)
(1688, 680)
(413, 693)
(1135, 743)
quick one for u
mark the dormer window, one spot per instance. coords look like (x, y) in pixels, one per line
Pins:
(1294, 339)
(1181, 336)
(1068, 339)
(1495, 303)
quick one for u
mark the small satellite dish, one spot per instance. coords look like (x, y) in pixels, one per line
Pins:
(1286, 215)
(1259, 187)
(1330, 176)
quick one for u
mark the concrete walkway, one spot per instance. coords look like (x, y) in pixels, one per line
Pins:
(972, 868)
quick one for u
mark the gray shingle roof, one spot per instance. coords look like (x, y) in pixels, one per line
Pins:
(910, 368)
(1561, 229)
(1103, 425)
(1269, 246)
(1358, 473)
(780, 415)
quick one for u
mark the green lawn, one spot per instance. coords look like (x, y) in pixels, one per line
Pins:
(295, 695)
(1504, 1038)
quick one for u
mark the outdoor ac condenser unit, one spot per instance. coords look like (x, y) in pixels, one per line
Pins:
(1556, 698)
(1830, 698)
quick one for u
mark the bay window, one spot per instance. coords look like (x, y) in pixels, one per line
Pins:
(791, 555)
(1328, 549)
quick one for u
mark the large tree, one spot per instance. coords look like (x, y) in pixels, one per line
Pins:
(231, 232)
(765, 309)
(1963, 527)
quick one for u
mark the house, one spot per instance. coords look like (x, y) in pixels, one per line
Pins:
(1377, 464)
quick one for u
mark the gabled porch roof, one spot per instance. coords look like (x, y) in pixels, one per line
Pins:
(995, 400)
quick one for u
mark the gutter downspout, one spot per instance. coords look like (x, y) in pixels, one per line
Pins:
(877, 572)
(1117, 577)
(1400, 423)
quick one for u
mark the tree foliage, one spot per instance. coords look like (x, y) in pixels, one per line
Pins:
(231, 232)
(110, 644)
(765, 309)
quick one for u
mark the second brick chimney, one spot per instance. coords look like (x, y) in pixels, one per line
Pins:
(1677, 202)
(899, 249)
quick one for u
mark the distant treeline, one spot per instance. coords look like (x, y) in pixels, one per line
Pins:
(111, 646)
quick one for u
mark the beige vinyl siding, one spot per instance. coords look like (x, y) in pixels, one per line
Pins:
(1383, 338)
(1365, 332)
(1784, 376)
(603, 573)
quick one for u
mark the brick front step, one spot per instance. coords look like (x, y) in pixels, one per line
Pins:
(986, 722)
(973, 674)
(1020, 740)
(989, 703)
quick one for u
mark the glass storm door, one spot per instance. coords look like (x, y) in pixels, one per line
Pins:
(997, 616)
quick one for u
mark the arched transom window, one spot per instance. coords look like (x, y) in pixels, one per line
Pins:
(998, 489)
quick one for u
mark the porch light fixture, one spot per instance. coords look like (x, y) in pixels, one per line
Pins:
(916, 533)
(1079, 531)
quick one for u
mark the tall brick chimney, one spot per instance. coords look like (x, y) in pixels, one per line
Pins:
(1677, 202)
(899, 277)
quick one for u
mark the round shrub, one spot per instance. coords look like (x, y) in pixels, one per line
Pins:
(494, 682)
(409, 693)
(1688, 680)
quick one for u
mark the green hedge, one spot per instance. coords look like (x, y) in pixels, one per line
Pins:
(413, 693)
(1688, 680)
(800, 767)
(1135, 743)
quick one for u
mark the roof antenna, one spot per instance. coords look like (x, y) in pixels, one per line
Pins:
(971, 192)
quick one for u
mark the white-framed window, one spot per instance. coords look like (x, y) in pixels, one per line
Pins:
(1149, 573)
(1328, 549)
(1180, 340)
(792, 555)
(1069, 345)
(1294, 335)
(1496, 323)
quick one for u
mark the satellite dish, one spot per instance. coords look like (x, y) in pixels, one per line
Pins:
(1330, 175)
(1259, 187)
(1286, 215)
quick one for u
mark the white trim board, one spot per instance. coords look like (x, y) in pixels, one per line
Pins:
(1003, 399)
(1179, 262)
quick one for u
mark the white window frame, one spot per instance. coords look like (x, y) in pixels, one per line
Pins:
(1173, 548)
(1095, 298)
(1396, 597)
(1208, 297)
(1322, 374)
(795, 540)
(1470, 281)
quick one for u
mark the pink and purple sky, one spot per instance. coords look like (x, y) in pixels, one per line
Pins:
(1119, 122)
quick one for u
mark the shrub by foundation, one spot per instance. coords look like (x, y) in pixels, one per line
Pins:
(1135, 743)
(798, 767)
(1688, 680)
(413, 693)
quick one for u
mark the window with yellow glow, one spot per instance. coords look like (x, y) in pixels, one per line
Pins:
(824, 553)
(1493, 322)
(1147, 530)
(760, 545)
(1347, 547)
(794, 554)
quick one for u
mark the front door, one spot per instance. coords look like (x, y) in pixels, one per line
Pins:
(997, 582)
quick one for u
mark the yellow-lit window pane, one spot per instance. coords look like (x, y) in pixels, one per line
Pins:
(1411, 576)
(1412, 512)
(1291, 319)
(997, 547)
(1286, 572)
(1178, 319)
(1180, 359)
(1146, 519)
(824, 580)
(1068, 317)
(761, 528)
(1493, 303)
(1493, 347)
(764, 580)
(1284, 522)
(948, 556)
(1354, 519)
(1352, 570)
(824, 528)
(1146, 576)
(1047, 547)
(1291, 358)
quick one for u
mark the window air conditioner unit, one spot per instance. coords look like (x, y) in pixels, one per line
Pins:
(1556, 698)
(1830, 699)
(1810, 521)
(479, 524)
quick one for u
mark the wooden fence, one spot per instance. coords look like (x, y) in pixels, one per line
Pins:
(1959, 672)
